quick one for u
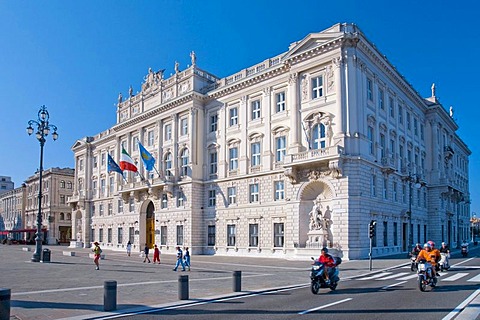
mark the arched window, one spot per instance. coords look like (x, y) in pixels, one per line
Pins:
(168, 165)
(69, 216)
(62, 216)
(69, 185)
(318, 136)
(184, 158)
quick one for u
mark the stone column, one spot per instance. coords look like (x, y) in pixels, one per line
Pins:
(338, 120)
(295, 125)
(266, 147)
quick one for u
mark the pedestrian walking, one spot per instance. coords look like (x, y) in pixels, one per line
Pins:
(156, 254)
(97, 251)
(145, 251)
(129, 248)
(179, 260)
(186, 256)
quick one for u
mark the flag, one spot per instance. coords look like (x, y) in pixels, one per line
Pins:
(147, 157)
(113, 166)
(126, 162)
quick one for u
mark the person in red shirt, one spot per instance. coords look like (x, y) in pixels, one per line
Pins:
(328, 262)
(156, 255)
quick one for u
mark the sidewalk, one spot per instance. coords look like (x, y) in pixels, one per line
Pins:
(69, 286)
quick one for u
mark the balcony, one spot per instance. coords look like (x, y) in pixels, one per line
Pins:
(388, 165)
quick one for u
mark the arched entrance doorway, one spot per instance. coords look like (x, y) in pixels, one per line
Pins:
(150, 225)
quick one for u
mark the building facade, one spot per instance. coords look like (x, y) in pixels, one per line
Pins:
(12, 207)
(6, 184)
(57, 187)
(300, 151)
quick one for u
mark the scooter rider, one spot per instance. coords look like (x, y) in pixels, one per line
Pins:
(416, 250)
(445, 248)
(430, 255)
(327, 260)
(445, 252)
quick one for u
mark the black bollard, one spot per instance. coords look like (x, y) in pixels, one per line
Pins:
(5, 295)
(182, 287)
(110, 295)
(237, 281)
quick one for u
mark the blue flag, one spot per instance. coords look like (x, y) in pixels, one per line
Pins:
(147, 157)
(113, 166)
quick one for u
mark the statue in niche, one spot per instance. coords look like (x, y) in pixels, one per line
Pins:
(329, 132)
(316, 215)
(120, 98)
(321, 221)
(327, 223)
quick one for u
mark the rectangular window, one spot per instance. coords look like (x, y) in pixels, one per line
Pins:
(422, 132)
(385, 233)
(233, 158)
(131, 234)
(395, 234)
(253, 235)
(168, 132)
(400, 114)
(385, 189)
(94, 188)
(404, 193)
(382, 146)
(102, 187)
(110, 209)
(112, 185)
(409, 124)
(183, 126)
(164, 201)
(381, 99)
(280, 99)
(395, 195)
(279, 190)
(255, 107)
(254, 194)
(93, 210)
(369, 89)
(103, 159)
(131, 206)
(233, 116)
(281, 148)
(214, 122)
(317, 87)
(180, 199)
(150, 138)
(210, 235)
(120, 236)
(415, 126)
(392, 148)
(109, 235)
(371, 140)
(278, 235)
(255, 149)
(120, 205)
(62, 199)
(213, 162)
(163, 235)
(373, 185)
(180, 235)
(95, 162)
(391, 105)
(231, 230)
(232, 195)
(211, 198)
(100, 235)
(134, 145)
(100, 209)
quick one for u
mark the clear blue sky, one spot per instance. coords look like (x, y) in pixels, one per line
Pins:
(76, 56)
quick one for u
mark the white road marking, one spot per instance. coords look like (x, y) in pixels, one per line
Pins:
(475, 279)
(393, 276)
(325, 306)
(455, 277)
(408, 277)
(393, 285)
(376, 276)
(461, 306)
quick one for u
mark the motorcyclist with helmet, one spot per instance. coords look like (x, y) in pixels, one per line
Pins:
(430, 255)
(445, 251)
(416, 250)
(327, 260)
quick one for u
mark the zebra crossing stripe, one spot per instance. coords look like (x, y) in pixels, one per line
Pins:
(408, 277)
(475, 279)
(455, 277)
(393, 276)
(383, 274)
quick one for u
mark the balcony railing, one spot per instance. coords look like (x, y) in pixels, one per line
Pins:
(317, 154)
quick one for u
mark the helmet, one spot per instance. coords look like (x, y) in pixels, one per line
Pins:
(418, 244)
(443, 243)
(431, 243)
(427, 245)
(325, 249)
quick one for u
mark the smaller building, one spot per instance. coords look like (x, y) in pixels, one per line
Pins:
(57, 186)
(12, 207)
(6, 184)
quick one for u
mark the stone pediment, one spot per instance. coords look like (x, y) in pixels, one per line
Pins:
(313, 40)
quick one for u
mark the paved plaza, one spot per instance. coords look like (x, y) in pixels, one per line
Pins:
(70, 287)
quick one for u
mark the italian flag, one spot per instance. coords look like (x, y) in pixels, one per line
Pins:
(126, 162)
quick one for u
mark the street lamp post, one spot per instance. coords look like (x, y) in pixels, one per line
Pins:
(43, 129)
(413, 181)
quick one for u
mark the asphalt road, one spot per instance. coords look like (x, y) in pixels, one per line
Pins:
(386, 295)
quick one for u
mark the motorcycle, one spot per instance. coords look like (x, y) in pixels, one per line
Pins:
(317, 277)
(464, 250)
(425, 276)
(413, 262)
(444, 261)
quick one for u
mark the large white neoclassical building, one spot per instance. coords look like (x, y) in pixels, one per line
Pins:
(299, 151)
